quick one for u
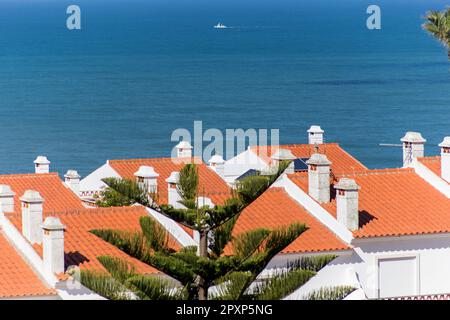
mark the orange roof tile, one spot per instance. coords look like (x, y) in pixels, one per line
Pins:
(210, 184)
(275, 208)
(341, 160)
(393, 202)
(57, 197)
(82, 247)
(17, 279)
(432, 163)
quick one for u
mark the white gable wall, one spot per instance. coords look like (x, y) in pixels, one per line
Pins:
(436, 181)
(241, 163)
(93, 182)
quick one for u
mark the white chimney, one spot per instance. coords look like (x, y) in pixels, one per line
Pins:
(413, 147)
(53, 245)
(315, 135)
(347, 203)
(147, 178)
(72, 180)
(445, 159)
(41, 165)
(184, 150)
(217, 164)
(6, 198)
(173, 195)
(319, 177)
(284, 155)
(32, 210)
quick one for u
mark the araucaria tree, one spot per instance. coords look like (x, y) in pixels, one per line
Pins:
(437, 23)
(221, 267)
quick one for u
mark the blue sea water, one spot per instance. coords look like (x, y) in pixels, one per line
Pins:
(140, 69)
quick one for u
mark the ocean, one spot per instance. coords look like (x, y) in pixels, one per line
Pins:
(137, 70)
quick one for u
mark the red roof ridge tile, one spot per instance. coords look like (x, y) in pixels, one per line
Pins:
(29, 175)
(98, 210)
(294, 145)
(377, 171)
(429, 159)
(163, 159)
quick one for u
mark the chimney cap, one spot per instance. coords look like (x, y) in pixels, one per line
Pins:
(184, 145)
(174, 177)
(315, 129)
(72, 174)
(31, 196)
(413, 137)
(445, 143)
(41, 160)
(318, 159)
(53, 224)
(283, 154)
(216, 159)
(146, 172)
(347, 184)
(5, 190)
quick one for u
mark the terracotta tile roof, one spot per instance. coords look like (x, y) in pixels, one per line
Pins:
(341, 160)
(275, 208)
(427, 297)
(393, 202)
(56, 195)
(432, 163)
(17, 279)
(82, 247)
(213, 186)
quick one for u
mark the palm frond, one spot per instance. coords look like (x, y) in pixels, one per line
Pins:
(313, 263)
(188, 183)
(130, 190)
(221, 236)
(157, 236)
(118, 268)
(281, 285)
(330, 293)
(156, 288)
(104, 285)
(232, 286)
(247, 243)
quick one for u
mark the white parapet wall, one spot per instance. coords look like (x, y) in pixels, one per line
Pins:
(173, 228)
(436, 181)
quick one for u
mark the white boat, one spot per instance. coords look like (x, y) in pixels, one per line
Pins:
(220, 26)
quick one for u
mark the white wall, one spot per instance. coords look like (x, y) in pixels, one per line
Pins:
(433, 261)
(361, 268)
(241, 163)
(93, 182)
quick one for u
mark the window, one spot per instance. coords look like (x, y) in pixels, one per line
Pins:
(397, 277)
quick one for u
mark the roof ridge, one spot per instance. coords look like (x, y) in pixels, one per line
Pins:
(29, 175)
(163, 159)
(429, 158)
(294, 145)
(378, 171)
(97, 210)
